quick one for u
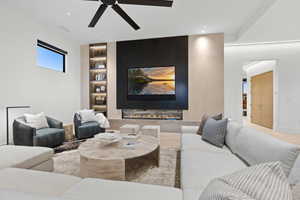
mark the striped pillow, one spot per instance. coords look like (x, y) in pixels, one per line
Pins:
(260, 182)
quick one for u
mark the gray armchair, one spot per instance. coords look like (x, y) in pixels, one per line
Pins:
(46, 137)
(87, 129)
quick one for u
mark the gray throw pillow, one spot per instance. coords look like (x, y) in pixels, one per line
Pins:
(204, 119)
(261, 182)
(214, 132)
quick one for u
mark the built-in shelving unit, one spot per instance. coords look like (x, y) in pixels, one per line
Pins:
(98, 77)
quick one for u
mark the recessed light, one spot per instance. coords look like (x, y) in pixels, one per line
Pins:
(68, 14)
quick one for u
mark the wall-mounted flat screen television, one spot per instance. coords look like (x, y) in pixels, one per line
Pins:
(150, 81)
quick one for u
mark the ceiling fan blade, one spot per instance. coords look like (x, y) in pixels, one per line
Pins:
(123, 14)
(163, 3)
(97, 16)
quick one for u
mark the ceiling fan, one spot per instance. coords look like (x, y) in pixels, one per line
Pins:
(115, 6)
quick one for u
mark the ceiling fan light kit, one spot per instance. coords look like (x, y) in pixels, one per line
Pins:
(115, 6)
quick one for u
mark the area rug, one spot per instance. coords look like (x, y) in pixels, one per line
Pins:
(68, 162)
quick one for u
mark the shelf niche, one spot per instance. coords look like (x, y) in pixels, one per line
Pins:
(98, 77)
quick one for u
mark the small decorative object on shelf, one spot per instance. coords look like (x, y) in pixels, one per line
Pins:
(100, 100)
(99, 66)
(97, 89)
(102, 88)
(98, 77)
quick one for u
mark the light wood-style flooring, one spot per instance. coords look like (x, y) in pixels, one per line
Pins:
(291, 138)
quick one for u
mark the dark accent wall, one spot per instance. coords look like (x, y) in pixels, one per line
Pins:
(160, 52)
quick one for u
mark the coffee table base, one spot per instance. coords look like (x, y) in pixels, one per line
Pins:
(113, 169)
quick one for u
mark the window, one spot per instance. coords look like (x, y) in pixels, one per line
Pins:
(51, 57)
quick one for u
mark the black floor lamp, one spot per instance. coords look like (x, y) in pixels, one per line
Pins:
(7, 120)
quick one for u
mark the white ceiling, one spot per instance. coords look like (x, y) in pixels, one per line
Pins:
(280, 23)
(187, 17)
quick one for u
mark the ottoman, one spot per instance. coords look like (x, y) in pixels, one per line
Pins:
(151, 131)
(130, 129)
(25, 157)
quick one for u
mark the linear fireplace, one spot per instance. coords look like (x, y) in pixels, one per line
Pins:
(152, 114)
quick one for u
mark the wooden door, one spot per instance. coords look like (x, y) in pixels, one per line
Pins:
(262, 100)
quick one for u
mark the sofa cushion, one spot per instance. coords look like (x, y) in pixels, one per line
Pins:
(191, 194)
(23, 157)
(215, 131)
(189, 129)
(36, 182)
(115, 190)
(194, 141)
(199, 168)
(233, 129)
(49, 137)
(261, 182)
(257, 147)
(16, 195)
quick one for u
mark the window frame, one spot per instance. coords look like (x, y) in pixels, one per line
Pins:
(55, 50)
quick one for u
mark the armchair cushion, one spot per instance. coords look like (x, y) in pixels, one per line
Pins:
(89, 129)
(49, 137)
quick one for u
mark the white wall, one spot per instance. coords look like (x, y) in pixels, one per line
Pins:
(288, 71)
(22, 82)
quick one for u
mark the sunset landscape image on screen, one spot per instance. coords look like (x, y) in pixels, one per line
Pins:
(151, 81)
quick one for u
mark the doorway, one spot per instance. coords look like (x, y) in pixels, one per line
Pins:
(260, 93)
(262, 99)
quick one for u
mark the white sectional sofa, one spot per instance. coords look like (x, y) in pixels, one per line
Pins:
(37, 158)
(201, 162)
(16, 184)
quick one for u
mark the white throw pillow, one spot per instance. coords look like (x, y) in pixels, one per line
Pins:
(37, 121)
(261, 182)
(87, 116)
(102, 120)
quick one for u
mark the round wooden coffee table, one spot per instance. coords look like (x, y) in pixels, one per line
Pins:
(111, 161)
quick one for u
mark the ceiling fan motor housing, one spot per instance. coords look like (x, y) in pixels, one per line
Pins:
(109, 2)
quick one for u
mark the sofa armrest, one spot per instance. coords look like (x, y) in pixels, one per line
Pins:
(189, 129)
(23, 134)
(53, 123)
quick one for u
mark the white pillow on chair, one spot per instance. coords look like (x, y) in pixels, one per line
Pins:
(87, 116)
(37, 121)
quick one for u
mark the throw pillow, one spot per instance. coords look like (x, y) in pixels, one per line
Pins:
(214, 132)
(205, 118)
(261, 182)
(87, 116)
(37, 121)
(102, 120)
